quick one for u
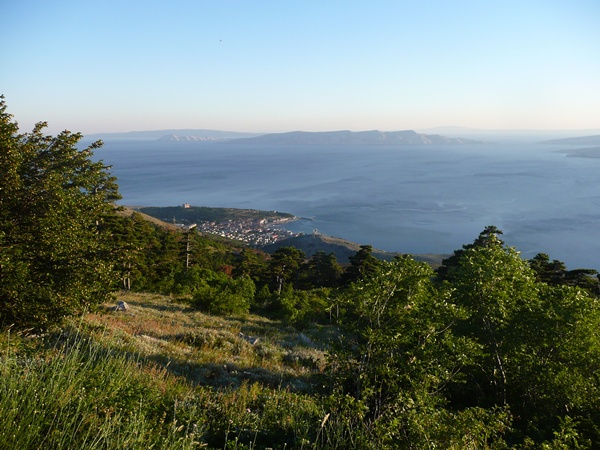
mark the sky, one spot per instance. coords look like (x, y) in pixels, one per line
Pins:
(274, 66)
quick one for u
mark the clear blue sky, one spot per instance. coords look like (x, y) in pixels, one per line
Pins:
(99, 66)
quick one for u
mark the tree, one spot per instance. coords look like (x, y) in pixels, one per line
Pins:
(321, 270)
(555, 273)
(540, 348)
(55, 258)
(489, 236)
(362, 265)
(251, 263)
(284, 265)
(217, 293)
(494, 285)
(397, 352)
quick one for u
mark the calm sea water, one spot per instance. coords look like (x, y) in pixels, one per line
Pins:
(414, 199)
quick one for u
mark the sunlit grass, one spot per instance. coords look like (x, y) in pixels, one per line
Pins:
(161, 375)
(209, 349)
(76, 394)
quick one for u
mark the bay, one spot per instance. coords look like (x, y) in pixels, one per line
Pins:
(409, 199)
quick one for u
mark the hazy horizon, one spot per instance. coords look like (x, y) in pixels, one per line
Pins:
(437, 129)
(267, 67)
(484, 136)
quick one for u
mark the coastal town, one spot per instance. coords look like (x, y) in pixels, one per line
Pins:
(253, 227)
(254, 232)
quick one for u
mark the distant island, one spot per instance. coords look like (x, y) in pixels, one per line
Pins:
(407, 137)
(179, 138)
(437, 136)
(587, 152)
(172, 134)
(580, 140)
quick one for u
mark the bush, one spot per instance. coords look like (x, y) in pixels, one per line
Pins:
(219, 294)
(305, 307)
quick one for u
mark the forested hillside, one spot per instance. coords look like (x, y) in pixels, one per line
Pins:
(222, 346)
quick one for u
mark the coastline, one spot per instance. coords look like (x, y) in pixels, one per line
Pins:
(264, 230)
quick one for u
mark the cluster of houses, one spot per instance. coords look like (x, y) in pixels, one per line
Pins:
(255, 232)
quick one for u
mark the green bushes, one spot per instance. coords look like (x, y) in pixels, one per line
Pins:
(302, 308)
(488, 357)
(219, 294)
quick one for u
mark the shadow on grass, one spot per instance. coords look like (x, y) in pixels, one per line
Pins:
(230, 375)
(223, 375)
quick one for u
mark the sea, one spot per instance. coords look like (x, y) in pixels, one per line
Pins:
(408, 199)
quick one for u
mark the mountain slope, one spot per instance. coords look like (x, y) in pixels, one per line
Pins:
(408, 137)
(580, 140)
(343, 249)
(183, 134)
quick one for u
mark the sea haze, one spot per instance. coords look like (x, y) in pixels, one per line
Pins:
(409, 199)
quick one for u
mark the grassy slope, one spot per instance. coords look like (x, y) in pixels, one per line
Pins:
(162, 375)
(213, 350)
(127, 211)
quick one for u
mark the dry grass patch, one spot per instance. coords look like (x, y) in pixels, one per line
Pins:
(210, 350)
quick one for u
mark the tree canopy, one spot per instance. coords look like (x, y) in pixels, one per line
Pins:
(54, 257)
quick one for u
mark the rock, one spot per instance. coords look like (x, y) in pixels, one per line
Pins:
(305, 339)
(121, 306)
(250, 339)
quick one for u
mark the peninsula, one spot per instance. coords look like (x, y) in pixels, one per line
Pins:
(263, 229)
(250, 226)
(580, 140)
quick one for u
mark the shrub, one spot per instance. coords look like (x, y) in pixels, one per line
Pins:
(219, 294)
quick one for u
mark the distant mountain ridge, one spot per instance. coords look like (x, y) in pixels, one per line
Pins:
(580, 140)
(176, 138)
(345, 137)
(179, 135)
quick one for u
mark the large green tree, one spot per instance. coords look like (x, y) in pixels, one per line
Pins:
(54, 257)
(397, 352)
(540, 347)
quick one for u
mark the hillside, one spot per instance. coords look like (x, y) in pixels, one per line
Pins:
(408, 137)
(343, 249)
(161, 374)
(580, 140)
(127, 211)
(218, 351)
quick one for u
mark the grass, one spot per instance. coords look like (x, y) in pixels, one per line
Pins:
(162, 375)
(77, 394)
(212, 350)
